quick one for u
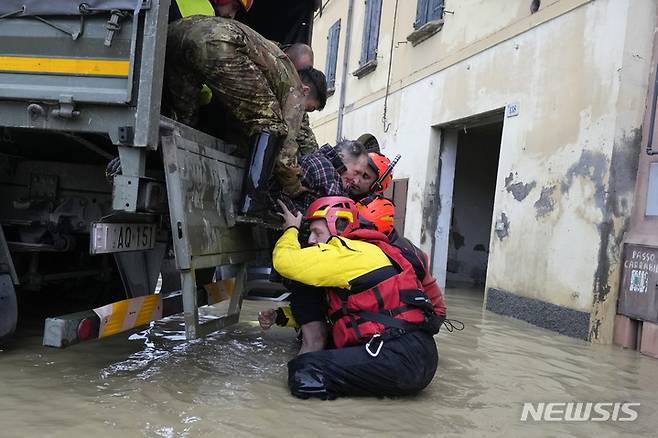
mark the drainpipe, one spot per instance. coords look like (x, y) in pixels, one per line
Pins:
(343, 79)
(652, 120)
(390, 65)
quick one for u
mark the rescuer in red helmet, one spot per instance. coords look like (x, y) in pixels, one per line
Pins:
(382, 322)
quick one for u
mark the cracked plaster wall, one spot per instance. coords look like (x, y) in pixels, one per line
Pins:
(568, 160)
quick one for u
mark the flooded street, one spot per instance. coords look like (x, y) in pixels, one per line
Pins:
(233, 383)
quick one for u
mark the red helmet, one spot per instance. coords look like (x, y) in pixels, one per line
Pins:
(379, 163)
(333, 208)
(246, 4)
(378, 213)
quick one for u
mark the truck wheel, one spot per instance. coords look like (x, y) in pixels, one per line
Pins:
(8, 306)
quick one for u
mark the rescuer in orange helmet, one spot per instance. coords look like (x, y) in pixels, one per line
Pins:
(378, 213)
(375, 178)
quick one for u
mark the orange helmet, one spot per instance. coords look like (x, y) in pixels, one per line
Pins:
(378, 213)
(246, 4)
(379, 163)
(332, 209)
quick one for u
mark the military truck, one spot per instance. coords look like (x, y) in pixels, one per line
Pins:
(81, 83)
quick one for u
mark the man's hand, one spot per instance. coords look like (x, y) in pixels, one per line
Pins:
(289, 219)
(266, 318)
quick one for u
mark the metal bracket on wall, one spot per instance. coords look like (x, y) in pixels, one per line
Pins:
(126, 134)
(66, 109)
(126, 190)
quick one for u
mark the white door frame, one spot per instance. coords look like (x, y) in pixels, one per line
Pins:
(447, 162)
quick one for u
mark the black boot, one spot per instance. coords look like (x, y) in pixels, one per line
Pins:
(263, 155)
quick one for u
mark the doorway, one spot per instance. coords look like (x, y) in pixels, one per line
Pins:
(467, 186)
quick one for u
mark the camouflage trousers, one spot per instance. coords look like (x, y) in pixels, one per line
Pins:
(256, 84)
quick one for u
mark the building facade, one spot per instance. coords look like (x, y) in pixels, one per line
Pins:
(520, 126)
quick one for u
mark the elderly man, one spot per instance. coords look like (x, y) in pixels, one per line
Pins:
(331, 171)
(254, 81)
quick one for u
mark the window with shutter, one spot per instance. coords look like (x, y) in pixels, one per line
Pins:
(421, 13)
(332, 55)
(429, 20)
(368, 60)
(428, 10)
(435, 10)
(371, 31)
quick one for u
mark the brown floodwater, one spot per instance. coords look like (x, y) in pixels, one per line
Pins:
(153, 382)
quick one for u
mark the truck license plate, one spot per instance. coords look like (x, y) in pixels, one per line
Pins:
(106, 238)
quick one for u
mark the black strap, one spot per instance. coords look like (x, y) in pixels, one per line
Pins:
(338, 314)
(389, 321)
(378, 297)
(398, 310)
(354, 323)
(371, 279)
(453, 324)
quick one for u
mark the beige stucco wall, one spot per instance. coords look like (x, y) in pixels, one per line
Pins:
(579, 72)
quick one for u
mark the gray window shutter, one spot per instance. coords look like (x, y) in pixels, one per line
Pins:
(370, 31)
(365, 42)
(435, 10)
(421, 13)
(375, 18)
(332, 54)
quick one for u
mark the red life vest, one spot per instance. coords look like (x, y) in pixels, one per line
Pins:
(397, 301)
(420, 263)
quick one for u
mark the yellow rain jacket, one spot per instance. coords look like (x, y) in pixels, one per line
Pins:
(333, 264)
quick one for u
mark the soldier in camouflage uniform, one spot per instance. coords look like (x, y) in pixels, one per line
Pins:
(256, 82)
(302, 57)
